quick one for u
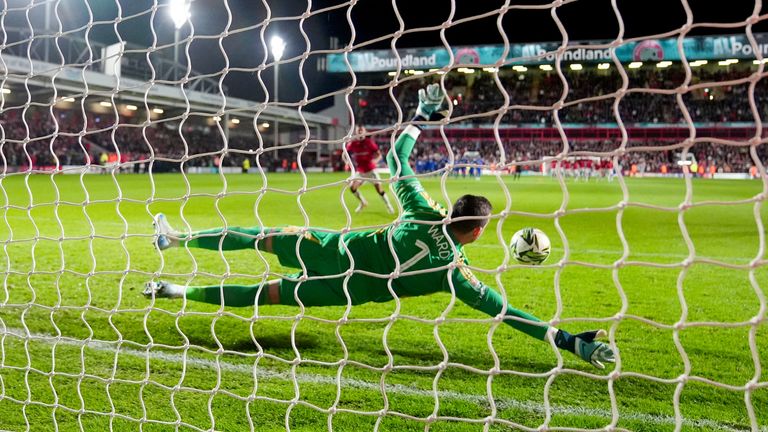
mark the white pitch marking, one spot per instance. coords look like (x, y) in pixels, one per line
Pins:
(263, 373)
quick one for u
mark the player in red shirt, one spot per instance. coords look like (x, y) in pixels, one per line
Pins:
(611, 171)
(365, 152)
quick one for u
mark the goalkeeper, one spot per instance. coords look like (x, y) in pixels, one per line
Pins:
(429, 251)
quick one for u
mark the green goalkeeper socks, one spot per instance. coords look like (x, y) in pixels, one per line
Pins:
(233, 295)
(231, 238)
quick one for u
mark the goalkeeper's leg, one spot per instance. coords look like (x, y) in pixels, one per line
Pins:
(316, 250)
(231, 238)
(290, 292)
(228, 295)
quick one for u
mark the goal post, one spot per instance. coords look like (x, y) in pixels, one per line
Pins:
(114, 113)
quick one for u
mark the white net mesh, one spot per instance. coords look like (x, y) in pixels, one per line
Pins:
(672, 267)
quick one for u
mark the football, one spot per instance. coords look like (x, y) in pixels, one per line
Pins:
(530, 246)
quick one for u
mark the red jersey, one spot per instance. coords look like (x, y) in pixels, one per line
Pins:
(363, 152)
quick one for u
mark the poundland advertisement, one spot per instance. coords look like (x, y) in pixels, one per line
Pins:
(693, 48)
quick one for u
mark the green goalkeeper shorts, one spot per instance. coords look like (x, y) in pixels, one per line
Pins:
(324, 264)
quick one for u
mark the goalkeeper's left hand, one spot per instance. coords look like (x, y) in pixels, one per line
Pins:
(430, 100)
(586, 346)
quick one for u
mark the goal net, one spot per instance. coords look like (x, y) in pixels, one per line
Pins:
(641, 154)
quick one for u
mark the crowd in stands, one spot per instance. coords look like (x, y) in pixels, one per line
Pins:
(529, 156)
(535, 92)
(35, 135)
(477, 95)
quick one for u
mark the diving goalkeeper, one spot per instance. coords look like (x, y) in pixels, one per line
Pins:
(429, 248)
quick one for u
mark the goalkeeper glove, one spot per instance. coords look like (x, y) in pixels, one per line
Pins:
(430, 100)
(585, 346)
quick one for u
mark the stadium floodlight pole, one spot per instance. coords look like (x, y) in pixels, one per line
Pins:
(179, 11)
(48, 11)
(277, 45)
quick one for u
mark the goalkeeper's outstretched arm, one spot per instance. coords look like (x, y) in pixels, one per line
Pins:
(484, 298)
(408, 189)
(430, 100)
(467, 288)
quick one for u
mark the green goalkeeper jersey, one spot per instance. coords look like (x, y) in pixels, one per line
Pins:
(424, 247)
(431, 260)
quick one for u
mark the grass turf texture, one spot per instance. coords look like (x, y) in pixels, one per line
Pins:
(128, 363)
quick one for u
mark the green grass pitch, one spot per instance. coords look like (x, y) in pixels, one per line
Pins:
(76, 253)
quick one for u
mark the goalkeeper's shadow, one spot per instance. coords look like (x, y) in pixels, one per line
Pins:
(266, 342)
(422, 358)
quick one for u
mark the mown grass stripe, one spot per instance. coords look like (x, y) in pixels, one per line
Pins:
(482, 400)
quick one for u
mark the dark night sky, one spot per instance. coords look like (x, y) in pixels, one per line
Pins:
(583, 19)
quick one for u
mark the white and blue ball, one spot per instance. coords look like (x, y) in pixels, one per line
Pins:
(530, 246)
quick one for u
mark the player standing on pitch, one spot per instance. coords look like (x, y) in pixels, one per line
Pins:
(428, 246)
(366, 155)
